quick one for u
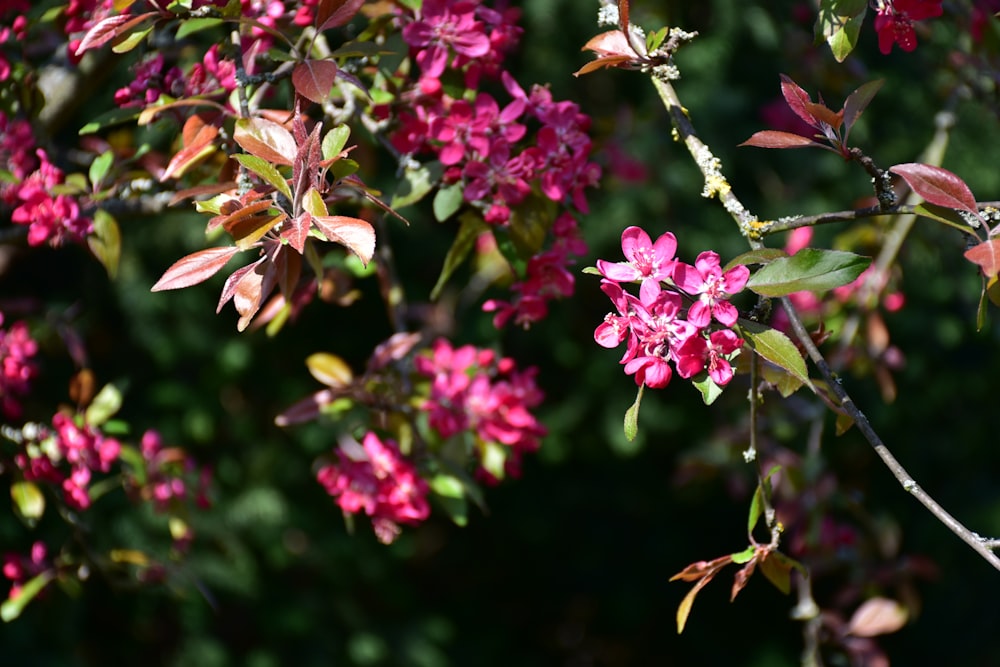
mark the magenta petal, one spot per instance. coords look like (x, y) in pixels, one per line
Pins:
(634, 238)
(617, 271)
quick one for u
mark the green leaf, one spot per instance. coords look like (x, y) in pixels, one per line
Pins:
(267, 171)
(632, 416)
(709, 390)
(113, 117)
(944, 215)
(529, 224)
(99, 168)
(13, 607)
(777, 567)
(131, 41)
(191, 26)
(329, 369)
(457, 509)
(416, 184)
(759, 256)
(334, 141)
(28, 500)
(106, 242)
(744, 556)
(774, 346)
(757, 504)
(839, 23)
(448, 486)
(107, 402)
(447, 201)
(472, 226)
(809, 269)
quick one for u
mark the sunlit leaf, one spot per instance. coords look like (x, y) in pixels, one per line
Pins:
(447, 201)
(936, 185)
(632, 416)
(267, 172)
(775, 347)
(28, 500)
(778, 569)
(110, 28)
(12, 607)
(809, 269)
(195, 268)
(778, 139)
(106, 404)
(266, 139)
(745, 556)
(759, 256)
(877, 616)
(334, 141)
(329, 369)
(356, 234)
(987, 256)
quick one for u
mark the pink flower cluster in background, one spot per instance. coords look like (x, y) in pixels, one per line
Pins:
(17, 366)
(498, 153)
(472, 390)
(53, 219)
(373, 477)
(20, 569)
(682, 314)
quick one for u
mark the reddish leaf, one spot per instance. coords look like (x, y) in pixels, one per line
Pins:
(248, 231)
(234, 211)
(877, 616)
(313, 79)
(797, 99)
(198, 138)
(742, 578)
(333, 13)
(777, 139)
(307, 409)
(195, 268)
(825, 116)
(610, 43)
(296, 231)
(623, 7)
(603, 63)
(987, 256)
(229, 288)
(265, 139)
(936, 185)
(356, 234)
(858, 101)
(107, 29)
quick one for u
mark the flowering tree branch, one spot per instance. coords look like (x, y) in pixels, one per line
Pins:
(716, 185)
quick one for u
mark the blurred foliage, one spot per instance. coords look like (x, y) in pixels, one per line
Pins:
(570, 565)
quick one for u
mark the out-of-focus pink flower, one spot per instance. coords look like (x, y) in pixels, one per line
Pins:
(376, 479)
(17, 366)
(895, 18)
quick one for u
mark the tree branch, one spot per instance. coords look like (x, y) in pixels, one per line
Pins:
(751, 228)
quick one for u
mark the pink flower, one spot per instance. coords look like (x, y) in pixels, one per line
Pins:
(894, 22)
(373, 477)
(697, 354)
(706, 279)
(17, 366)
(444, 24)
(647, 261)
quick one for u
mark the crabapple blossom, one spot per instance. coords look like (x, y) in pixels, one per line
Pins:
(648, 261)
(714, 288)
(17, 366)
(375, 478)
(895, 18)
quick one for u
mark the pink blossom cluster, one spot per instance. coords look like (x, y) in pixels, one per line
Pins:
(171, 476)
(16, 31)
(17, 366)
(84, 450)
(472, 390)
(52, 218)
(894, 21)
(20, 569)
(375, 478)
(682, 314)
(153, 78)
(498, 154)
